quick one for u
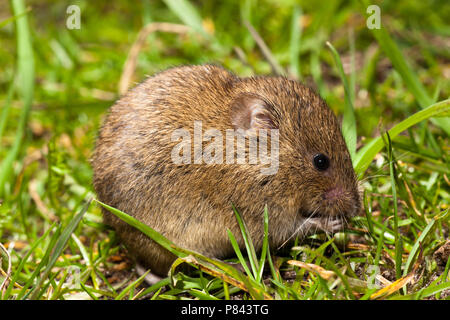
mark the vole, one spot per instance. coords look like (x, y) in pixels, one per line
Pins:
(313, 186)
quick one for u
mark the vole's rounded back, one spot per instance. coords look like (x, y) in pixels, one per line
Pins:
(312, 184)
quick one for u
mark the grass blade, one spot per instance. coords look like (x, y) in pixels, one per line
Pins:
(5, 111)
(13, 18)
(59, 247)
(155, 236)
(238, 252)
(23, 294)
(400, 64)
(417, 244)
(365, 156)
(25, 78)
(294, 42)
(426, 292)
(132, 285)
(393, 175)
(187, 13)
(248, 244)
(24, 261)
(89, 292)
(349, 120)
(334, 268)
(393, 287)
(265, 245)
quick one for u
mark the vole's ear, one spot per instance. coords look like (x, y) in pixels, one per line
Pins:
(249, 111)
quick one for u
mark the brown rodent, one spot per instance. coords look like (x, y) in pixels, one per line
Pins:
(191, 204)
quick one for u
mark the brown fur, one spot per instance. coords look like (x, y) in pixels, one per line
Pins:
(191, 204)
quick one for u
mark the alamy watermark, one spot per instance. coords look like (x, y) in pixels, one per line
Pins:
(208, 147)
(73, 278)
(73, 21)
(374, 20)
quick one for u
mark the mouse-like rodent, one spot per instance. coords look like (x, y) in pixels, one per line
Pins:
(313, 187)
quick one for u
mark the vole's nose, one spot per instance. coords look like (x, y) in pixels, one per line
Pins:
(333, 194)
(340, 201)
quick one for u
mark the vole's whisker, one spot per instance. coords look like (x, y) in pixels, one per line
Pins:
(362, 226)
(345, 220)
(299, 229)
(372, 177)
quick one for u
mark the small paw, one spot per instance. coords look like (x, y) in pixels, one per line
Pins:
(329, 225)
(334, 225)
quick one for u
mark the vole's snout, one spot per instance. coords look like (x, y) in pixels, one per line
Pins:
(333, 194)
(338, 201)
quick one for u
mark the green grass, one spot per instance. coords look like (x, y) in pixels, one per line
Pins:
(390, 87)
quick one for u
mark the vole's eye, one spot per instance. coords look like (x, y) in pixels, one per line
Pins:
(321, 162)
